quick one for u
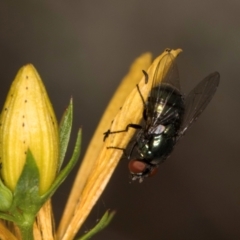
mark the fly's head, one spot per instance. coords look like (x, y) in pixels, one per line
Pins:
(140, 169)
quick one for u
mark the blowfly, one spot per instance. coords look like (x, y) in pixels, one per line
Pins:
(166, 117)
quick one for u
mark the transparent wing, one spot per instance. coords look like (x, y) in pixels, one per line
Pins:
(198, 99)
(166, 73)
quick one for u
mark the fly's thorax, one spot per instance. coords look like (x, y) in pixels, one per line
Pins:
(165, 106)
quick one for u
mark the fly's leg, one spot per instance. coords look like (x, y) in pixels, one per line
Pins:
(144, 104)
(141, 96)
(124, 150)
(108, 132)
(118, 148)
(146, 76)
(146, 81)
(132, 148)
(135, 126)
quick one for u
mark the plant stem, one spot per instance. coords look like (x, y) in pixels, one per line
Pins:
(26, 232)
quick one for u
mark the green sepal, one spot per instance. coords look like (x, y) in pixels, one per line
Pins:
(105, 220)
(26, 200)
(26, 193)
(65, 127)
(64, 172)
(6, 197)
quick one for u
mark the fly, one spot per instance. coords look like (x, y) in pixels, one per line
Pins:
(166, 117)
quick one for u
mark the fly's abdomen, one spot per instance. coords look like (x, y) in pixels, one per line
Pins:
(157, 149)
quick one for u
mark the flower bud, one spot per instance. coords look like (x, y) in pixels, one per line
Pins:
(28, 122)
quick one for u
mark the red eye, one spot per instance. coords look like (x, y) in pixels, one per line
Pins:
(136, 166)
(140, 167)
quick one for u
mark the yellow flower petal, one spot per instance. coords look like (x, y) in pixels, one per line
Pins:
(126, 86)
(131, 112)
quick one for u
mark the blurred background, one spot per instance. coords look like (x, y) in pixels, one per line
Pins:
(84, 48)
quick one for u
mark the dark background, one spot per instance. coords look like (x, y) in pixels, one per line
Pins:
(84, 48)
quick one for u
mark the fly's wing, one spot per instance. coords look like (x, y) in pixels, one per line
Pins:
(166, 73)
(198, 99)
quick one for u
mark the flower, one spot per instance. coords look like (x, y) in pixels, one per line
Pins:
(28, 122)
(32, 150)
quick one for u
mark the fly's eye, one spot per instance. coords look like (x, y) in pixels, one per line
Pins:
(136, 166)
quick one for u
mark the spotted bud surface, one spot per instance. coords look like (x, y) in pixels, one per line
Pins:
(27, 122)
